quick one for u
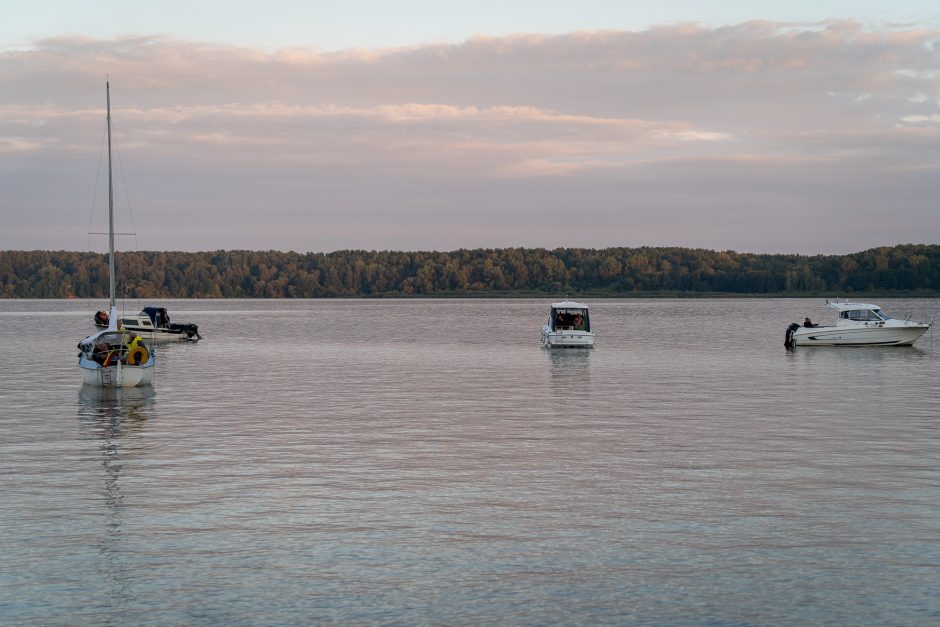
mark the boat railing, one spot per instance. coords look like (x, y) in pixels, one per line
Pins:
(914, 318)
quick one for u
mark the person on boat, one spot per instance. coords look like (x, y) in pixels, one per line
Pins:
(578, 322)
(132, 340)
(809, 323)
(134, 343)
(100, 353)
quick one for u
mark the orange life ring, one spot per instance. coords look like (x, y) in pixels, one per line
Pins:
(138, 356)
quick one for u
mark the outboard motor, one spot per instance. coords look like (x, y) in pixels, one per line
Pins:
(788, 341)
(189, 329)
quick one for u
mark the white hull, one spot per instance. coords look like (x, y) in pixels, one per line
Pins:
(156, 335)
(118, 375)
(160, 336)
(860, 336)
(566, 339)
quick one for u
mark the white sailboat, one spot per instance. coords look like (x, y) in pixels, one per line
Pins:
(114, 357)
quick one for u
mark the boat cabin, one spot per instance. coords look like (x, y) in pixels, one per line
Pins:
(863, 315)
(569, 316)
(860, 312)
(134, 322)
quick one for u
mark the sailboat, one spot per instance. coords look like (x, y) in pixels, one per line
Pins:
(114, 357)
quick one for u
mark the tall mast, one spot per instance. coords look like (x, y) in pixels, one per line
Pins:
(110, 201)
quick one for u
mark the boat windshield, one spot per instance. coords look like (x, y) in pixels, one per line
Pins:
(571, 318)
(863, 315)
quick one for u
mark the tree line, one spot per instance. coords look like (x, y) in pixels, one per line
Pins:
(906, 268)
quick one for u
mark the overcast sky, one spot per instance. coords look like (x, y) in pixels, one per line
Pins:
(809, 127)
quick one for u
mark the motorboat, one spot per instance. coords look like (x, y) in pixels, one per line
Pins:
(114, 357)
(569, 326)
(153, 323)
(859, 324)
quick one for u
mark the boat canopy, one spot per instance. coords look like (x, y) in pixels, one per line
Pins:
(157, 315)
(840, 307)
(569, 304)
(863, 312)
(108, 337)
(569, 315)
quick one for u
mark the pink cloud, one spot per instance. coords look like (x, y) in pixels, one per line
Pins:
(675, 119)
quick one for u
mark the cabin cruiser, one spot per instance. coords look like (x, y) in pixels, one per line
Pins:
(859, 324)
(153, 323)
(569, 326)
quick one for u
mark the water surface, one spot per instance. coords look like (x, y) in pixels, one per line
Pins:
(424, 461)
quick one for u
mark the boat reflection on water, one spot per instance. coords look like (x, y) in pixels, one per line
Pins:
(861, 360)
(569, 373)
(859, 372)
(115, 418)
(115, 412)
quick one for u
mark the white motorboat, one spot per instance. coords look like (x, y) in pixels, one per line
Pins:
(859, 324)
(114, 357)
(569, 326)
(153, 323)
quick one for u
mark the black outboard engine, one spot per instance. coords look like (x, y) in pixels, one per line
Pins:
(788, 341)
(191, 330)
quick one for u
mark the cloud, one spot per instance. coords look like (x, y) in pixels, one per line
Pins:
(680, 134)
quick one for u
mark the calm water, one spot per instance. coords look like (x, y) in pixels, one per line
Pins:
(425, 462)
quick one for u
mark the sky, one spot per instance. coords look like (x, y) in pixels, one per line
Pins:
(798, 127)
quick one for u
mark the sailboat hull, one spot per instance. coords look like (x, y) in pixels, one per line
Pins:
(116, 376)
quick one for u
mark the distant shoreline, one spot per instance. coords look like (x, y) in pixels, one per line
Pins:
(855, 296)
(907, 270)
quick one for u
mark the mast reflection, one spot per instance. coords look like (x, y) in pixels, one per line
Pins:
(115, 418)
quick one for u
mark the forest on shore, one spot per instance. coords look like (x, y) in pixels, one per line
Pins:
(909, 269)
